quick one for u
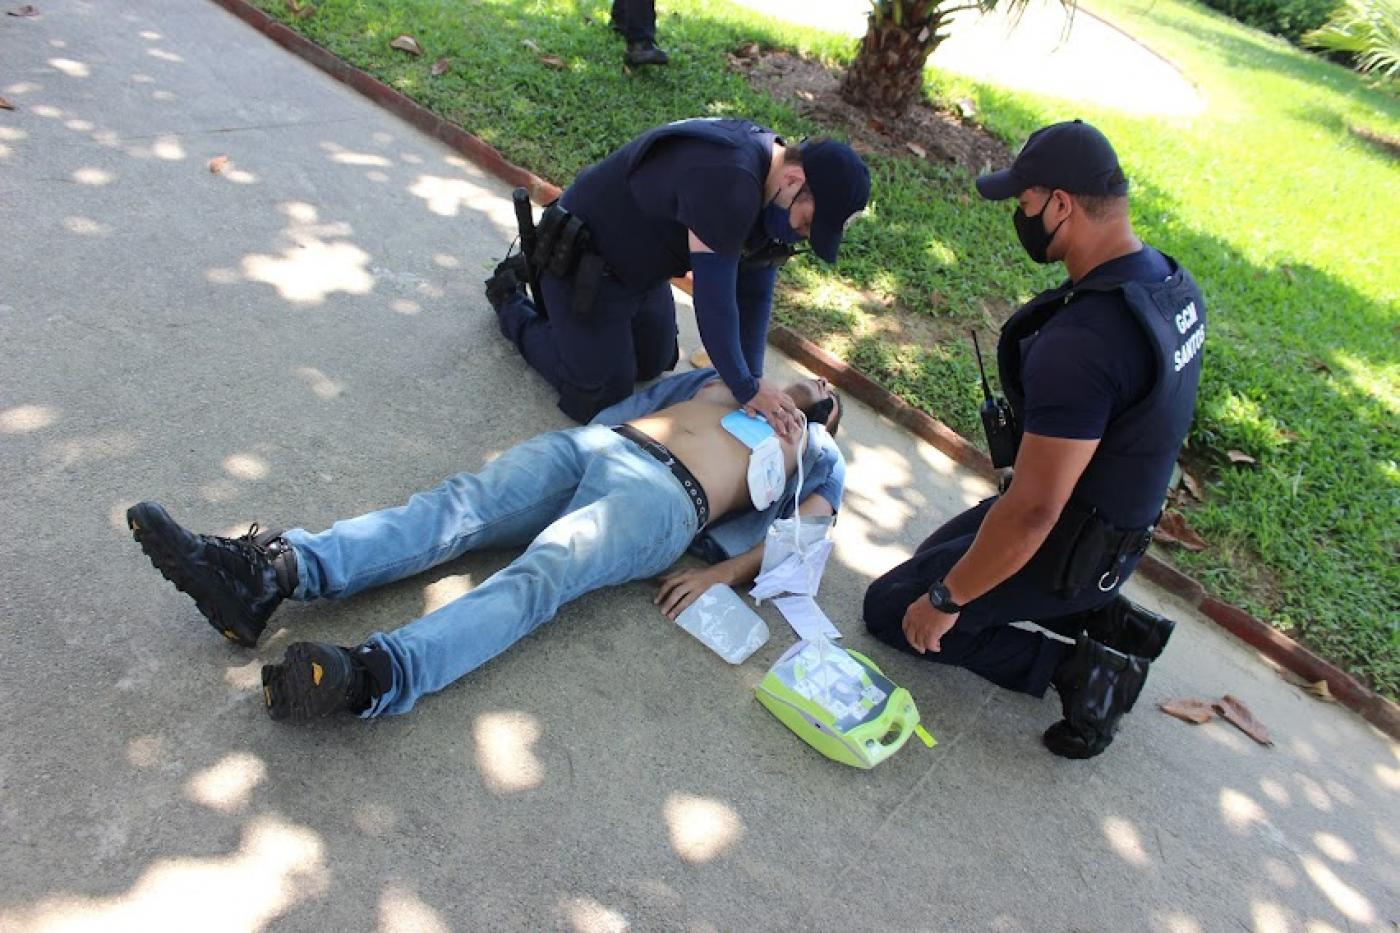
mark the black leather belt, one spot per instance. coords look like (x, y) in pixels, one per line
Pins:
(663, 455)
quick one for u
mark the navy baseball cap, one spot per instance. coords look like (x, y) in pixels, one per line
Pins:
(840, 185)
(1071, 156)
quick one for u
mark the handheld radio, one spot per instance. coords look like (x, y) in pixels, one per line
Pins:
(997, 419)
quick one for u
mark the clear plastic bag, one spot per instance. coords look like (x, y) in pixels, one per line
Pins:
(724, 624)
(794, 557)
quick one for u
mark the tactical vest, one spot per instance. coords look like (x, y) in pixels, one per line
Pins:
(639, 248)
(1146, 437)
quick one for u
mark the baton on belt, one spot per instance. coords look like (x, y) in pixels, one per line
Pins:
(525, 219)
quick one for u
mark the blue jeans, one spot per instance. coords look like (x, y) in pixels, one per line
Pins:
(593, 509)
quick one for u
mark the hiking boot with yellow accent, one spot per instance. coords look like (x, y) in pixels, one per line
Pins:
(316, 680)
(235, 582)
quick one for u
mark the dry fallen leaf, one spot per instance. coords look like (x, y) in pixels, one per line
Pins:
(407, 44)
(1188, 710)
(806, 95)
(1320, 690)
(300, 10)
(216, 164)
(1192, 486)
(6, 105)
(1239, 456)
(28, 9)
(1173, 529)
(440, 66)
(1318, 366)
(918, 150)
(1238, 715)
(700, 359)
(555, 62)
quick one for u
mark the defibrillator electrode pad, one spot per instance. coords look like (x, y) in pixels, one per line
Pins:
(767, 475)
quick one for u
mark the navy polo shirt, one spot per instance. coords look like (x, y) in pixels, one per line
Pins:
(1091, 362)
(640, 220)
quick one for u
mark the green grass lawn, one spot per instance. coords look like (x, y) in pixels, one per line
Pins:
(1291, 224)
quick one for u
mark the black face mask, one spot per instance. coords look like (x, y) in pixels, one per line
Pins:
(820, 412)
(1032, 233)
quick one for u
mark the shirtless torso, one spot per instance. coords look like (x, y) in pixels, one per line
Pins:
(692, 431)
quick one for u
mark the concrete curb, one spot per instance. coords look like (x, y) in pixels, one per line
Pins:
(1271, 643)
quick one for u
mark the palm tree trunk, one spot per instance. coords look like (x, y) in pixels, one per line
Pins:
(888, 72)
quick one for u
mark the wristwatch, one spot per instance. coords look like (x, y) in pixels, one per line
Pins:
(942, 599)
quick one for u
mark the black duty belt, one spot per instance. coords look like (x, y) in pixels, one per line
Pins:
(663, 455)
(1087, 549)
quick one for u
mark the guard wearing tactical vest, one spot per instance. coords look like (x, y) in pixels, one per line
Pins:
(1100, 376)
(726, 199)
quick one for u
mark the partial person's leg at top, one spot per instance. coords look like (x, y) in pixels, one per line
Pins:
(639, 28)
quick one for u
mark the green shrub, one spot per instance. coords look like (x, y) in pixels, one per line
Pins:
(1286, 18)
(1368, 30)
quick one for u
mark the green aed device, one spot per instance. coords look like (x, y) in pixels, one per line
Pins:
(840, 703)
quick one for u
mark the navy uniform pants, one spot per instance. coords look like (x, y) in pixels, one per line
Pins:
(636, 18)
(629, 337)
(984, 640)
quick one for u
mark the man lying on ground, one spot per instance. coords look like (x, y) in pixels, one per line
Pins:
(593, 506)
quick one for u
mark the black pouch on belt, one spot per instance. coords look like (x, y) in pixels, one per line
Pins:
(1081, 543)
(559, 239)
(565, 250)
(587, 279)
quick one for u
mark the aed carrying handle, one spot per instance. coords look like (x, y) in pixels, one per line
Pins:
(525, 220)
(996, 419)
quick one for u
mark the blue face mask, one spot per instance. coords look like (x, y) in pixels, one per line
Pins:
(775, 223)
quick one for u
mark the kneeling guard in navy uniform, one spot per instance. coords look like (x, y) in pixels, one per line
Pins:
(726, 199)
(1100, 376)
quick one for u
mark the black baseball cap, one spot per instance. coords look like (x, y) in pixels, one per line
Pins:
(840, 185)
(1071, 156)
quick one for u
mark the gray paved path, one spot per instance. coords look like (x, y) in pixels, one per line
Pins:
(303, 337)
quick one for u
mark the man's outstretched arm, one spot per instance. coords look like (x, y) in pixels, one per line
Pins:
(680, 588)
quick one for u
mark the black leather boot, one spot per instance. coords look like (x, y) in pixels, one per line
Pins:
(316, 680)
(507, 282)
(235, 582)
(644, 52)
(1124, 625)
(1097, 685)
